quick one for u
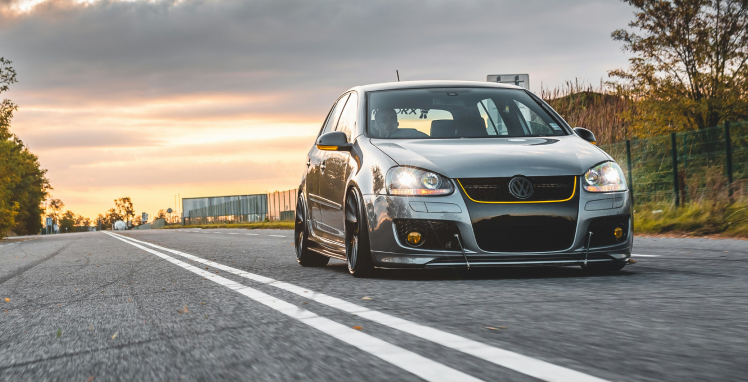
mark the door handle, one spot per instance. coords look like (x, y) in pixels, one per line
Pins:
(308, 162)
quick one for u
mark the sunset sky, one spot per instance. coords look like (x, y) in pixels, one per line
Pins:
(148, 99)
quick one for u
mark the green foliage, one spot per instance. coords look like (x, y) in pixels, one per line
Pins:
(23, 185)
(67, 222)
(689, 67)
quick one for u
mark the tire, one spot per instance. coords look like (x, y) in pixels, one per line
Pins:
(604, 267)
(304, 256)
(357, 250)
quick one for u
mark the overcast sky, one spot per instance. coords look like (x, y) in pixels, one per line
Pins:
(148, 99)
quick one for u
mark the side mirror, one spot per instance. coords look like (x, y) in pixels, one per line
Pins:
(585, 134)
(334, 141)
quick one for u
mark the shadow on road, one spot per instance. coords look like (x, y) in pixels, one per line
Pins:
(484, 273)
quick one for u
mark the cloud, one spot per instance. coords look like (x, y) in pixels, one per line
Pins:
(78, 139)
(155, 48)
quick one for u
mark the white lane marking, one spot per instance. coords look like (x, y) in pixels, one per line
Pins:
(405, 359)
(231, 233)
(216, 232)
(277, 235)
(635, 255)
(523, 364)
(252, 234)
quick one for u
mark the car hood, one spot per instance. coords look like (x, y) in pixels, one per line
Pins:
(495, 157)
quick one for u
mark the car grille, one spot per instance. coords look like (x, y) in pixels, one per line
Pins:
(525, 233)
(437, 234)
(545, 188)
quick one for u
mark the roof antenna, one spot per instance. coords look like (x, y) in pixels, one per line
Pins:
(398, 75)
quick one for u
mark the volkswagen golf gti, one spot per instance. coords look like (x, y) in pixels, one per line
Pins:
(429, 174)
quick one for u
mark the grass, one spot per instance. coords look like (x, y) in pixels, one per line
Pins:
(722, 218)
(258, 225)
(598, 108)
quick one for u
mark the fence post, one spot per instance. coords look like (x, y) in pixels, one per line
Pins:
(676, 191)
(631, 169)
(728, 157)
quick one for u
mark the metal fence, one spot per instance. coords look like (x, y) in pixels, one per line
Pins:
(282, 205)
(273, 206)
(158, 223)
(687, 166)
(225, 209)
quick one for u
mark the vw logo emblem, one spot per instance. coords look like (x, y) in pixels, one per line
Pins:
(520, 187)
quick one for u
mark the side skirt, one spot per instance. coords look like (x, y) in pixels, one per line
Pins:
(327, 253)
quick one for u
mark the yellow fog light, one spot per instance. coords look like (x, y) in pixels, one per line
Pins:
(414, 238)
(618, 232)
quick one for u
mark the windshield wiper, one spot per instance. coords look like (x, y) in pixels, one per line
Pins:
(489, 118)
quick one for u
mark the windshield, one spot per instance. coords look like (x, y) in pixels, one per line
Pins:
(458, 113)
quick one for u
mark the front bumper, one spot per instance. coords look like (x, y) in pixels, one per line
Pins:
(389, 252)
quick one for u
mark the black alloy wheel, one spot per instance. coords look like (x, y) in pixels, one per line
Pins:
(357, 250)
(304, 256)
(604, 267)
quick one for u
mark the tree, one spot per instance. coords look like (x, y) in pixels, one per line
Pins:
(161, 214)
(54, 209)
(67, 222)
(112, 216)
(23, 185)
(101, 218)
(124, 208)
(137, 221)
(81, 221)
(689, 66)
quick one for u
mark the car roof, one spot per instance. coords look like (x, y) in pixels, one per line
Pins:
(432, 84)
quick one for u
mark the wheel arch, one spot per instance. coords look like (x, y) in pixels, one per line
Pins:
(350, 186)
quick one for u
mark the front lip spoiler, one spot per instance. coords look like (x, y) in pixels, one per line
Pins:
(499, 264)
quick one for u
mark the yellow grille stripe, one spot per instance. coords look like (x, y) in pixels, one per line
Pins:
(573, 191)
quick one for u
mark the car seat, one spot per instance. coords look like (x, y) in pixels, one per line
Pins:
(471, 127)
(442, 128)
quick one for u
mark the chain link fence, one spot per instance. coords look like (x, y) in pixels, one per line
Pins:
(688, 166)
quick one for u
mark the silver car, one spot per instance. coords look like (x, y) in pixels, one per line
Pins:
(458, 174)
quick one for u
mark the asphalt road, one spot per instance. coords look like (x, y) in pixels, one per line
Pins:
(209, 305)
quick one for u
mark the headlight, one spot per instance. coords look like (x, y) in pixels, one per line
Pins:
(604, 178)
(414, 181)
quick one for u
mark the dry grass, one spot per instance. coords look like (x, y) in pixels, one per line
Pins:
(694, 219)
(599, 109)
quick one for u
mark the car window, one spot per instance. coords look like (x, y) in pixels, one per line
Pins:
(416, 122)
(532, 122)
(347, 122)
(490, 113)
(332, 119)
(458, 113)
